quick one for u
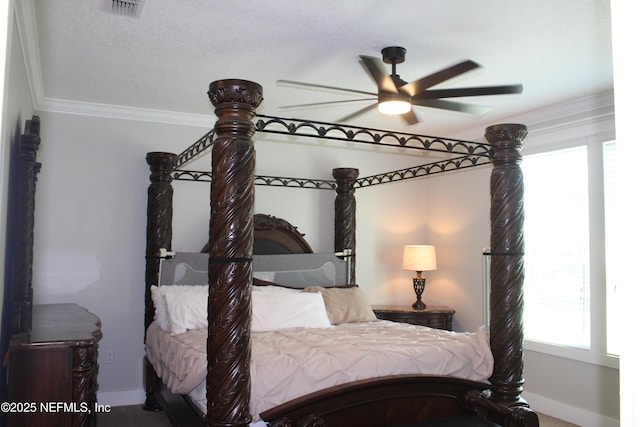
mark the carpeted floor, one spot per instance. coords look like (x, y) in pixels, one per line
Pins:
(132, 416)
(135, 416)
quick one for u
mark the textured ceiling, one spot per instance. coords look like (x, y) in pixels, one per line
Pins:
(165, 59)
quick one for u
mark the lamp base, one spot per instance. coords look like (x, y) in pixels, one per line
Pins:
(418, 286)
(419, 305)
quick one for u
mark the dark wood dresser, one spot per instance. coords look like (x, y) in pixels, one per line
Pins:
(440, 317)
(53, 371)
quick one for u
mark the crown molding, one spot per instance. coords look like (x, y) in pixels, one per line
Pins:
(126, 113)
(571, 113)
(25, 23)
(553, 118)
(585, 111)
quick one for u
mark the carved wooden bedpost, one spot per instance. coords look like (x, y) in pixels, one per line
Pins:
(159, 234)
(28, 168)
(231, 251)
(345, 215)
(507, 262)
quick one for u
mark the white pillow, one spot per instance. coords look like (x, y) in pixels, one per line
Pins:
(180, 308)
(272, 311)
(186, 307)
(160, 305)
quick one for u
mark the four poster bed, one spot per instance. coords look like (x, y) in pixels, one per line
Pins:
(228, 277)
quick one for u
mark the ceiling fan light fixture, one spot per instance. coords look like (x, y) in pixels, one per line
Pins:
(398, 97)
(393, 104)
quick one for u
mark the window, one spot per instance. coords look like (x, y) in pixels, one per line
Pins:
(570, 271)
(557, 247)
(612, 232)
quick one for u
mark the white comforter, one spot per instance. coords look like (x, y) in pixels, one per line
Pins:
(289, 363)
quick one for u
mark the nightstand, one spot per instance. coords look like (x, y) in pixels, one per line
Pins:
(440, 317)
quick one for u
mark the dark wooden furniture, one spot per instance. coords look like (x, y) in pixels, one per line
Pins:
(233, 177)
(440, 317)
(55, 365)
(21, 253)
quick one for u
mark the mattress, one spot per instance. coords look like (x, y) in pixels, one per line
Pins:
(290, 363)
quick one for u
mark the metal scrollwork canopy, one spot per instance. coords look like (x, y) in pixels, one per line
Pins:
(469, 153)
(379, 137)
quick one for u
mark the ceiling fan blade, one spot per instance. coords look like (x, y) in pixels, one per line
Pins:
(453, 106)
(291, 82)
(359, 112)
(317, 104)
(468, 91)
(377, 71)
(415, 87)
(410, 118)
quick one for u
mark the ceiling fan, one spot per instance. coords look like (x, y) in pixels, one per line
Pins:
(396, 96)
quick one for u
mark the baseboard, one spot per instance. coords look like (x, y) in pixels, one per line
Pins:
(572, 414)
(121, 398)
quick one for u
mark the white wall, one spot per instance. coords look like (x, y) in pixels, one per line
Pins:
(433, 210)
(90, 227)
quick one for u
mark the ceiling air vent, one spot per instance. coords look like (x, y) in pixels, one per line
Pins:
(130, 8)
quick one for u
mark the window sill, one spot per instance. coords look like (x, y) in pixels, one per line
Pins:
(586, 356)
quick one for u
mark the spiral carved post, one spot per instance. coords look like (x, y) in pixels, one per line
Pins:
(507, 262)
(84, 383)
(231, 251)
(345, 215)
(159, 234)
(28, 168)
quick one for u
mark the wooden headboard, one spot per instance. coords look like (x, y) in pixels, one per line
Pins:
(273, 235)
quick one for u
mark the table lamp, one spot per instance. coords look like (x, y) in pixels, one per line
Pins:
(419, 258)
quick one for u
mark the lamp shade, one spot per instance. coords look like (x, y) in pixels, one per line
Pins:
(419, 258)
